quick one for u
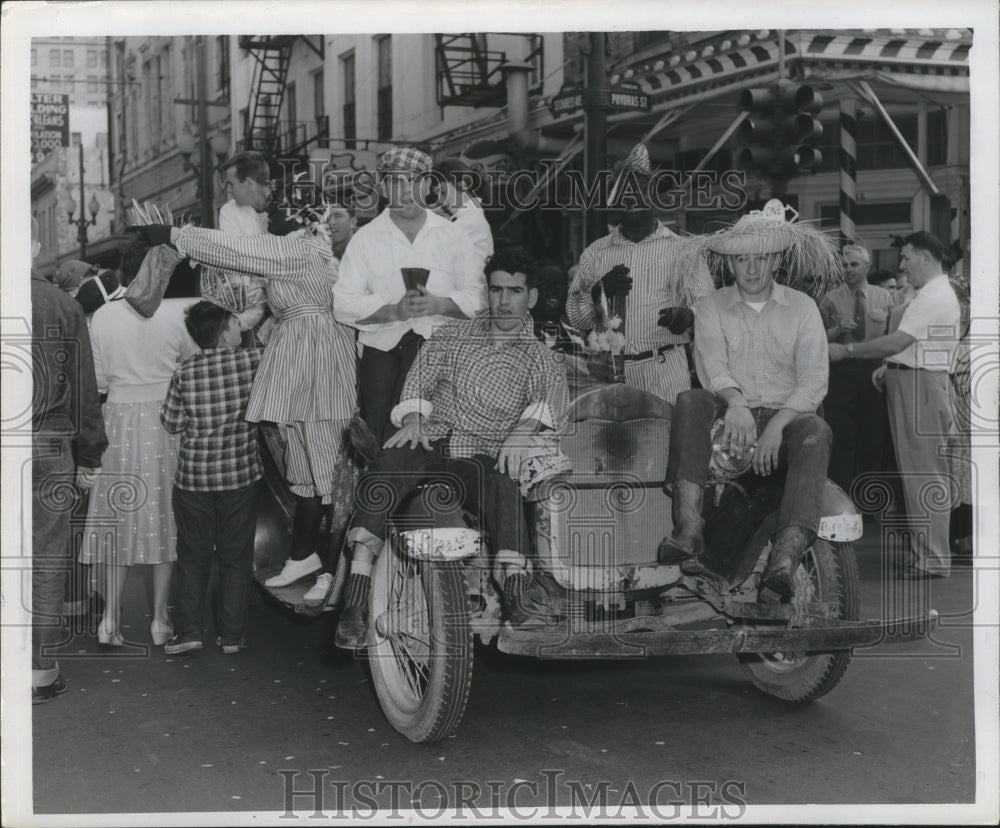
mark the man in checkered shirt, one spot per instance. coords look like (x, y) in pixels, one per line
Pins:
(482, 396)
(218, 466)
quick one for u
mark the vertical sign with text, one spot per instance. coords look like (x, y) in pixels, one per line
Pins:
(49, 123)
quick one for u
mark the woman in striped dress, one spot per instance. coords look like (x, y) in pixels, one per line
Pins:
(306, 380)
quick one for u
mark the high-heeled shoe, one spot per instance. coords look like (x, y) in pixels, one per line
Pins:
(108, 637)
(160, 633)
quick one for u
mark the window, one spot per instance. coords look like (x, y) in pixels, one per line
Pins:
(244, 121)
(319, 109)
(350, 123)
(55, 57)
(92, 84)
(292, 112)
(937, 136)
(104, 59)
(867, 214)
(384, 102)
(222, 51)
(878, 148)
(91, 58)
(67, 57)
(34, 57)
(74, 139)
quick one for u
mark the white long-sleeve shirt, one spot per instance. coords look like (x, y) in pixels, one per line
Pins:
(370, 276)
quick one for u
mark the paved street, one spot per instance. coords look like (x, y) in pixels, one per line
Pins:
(146, 733)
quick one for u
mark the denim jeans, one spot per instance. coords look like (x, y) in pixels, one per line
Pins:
(486, 492)
(53, 496)
(805, 452)
(222, 523)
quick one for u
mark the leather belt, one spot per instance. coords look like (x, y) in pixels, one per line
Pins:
(641, 357)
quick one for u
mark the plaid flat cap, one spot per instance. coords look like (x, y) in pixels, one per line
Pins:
(404, 159)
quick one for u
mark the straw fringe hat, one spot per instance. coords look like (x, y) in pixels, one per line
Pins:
(808, 253)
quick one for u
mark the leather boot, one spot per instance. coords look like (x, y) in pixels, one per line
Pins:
(305, 527)
(778, 581)
(685, 545)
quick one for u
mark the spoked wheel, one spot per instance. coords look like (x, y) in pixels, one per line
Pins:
(421, 649)
(828, 573)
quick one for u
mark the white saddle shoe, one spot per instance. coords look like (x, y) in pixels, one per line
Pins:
(295, 571)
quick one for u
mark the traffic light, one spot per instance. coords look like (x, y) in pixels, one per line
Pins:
(780, 129)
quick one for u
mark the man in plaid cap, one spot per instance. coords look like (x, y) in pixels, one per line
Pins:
(372, 295)
(650, 280)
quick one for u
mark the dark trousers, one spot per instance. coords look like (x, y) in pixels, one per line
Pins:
(222, 522)
(858, 418)
(805, 452)
(478, 485)
(380, 382)
(52, 500)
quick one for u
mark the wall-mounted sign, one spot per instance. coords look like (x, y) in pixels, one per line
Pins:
(49, 123)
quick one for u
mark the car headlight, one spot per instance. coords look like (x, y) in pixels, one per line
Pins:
(723, 465)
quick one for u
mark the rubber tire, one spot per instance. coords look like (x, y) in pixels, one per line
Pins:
(436, 712)
(813, 674)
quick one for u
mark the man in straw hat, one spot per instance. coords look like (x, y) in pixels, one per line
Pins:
(650, 276)
(761, 355)
(395, 318)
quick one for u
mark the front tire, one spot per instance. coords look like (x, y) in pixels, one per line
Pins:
(421, 650)
(828, 573)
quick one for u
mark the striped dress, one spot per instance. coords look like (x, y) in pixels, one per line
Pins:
(307, 372)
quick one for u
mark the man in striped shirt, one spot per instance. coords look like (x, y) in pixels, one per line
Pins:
(761, 356)
(651, 281)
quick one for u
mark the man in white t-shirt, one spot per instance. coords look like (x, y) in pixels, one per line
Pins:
(916, 376)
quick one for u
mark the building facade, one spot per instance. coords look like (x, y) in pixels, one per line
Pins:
(76, 68)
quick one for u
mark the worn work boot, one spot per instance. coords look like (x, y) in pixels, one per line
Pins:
(352, 631)
(527, 601)
(778, 581)
(686, 544)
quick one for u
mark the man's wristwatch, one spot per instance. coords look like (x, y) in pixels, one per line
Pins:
(850, 349)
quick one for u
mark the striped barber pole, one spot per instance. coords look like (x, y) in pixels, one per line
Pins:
(848, 169)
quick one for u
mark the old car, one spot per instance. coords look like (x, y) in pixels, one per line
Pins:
(596, 530)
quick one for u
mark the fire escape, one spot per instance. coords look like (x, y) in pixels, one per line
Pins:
(468, 71)
(264, 131)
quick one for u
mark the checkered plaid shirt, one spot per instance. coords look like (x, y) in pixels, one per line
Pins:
(205, 402)
(474, 390)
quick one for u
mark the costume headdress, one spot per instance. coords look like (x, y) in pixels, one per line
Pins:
(636, 162)
(808, 253)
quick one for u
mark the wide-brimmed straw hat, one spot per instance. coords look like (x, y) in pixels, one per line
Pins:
(806, 250)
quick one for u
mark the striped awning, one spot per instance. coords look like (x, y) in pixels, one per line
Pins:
(676, 76)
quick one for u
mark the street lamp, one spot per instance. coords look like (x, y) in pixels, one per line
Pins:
(93, 207)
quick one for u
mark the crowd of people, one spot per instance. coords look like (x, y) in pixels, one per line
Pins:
(412, 330)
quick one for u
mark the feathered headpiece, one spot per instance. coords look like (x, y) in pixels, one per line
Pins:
(809, 255)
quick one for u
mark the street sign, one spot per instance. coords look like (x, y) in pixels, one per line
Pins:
(566, 102)
(625, 99)
(49, 123)
(616, 99)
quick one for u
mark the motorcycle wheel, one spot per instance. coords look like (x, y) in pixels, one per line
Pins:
(828, 573)
(421, 651)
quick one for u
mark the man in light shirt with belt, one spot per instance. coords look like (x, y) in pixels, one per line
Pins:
(371, 294)
(852, 313)
(916, 376)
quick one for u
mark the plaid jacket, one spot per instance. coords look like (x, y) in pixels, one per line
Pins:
(206, 402)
